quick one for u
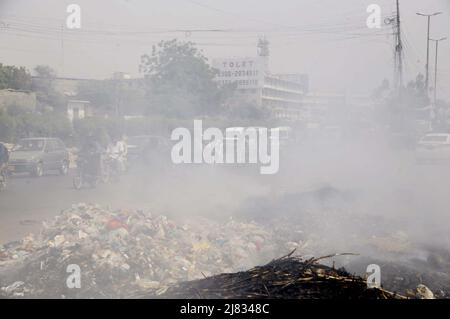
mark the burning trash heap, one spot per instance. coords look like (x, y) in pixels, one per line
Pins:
(129, 254)
(120, 252)
(284, 278)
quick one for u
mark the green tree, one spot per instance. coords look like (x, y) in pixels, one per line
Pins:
(46, 93)
(180, 81)
(114, 96)
(400, 109)
(99, 93)
(45, 76)
(16, 78)
(415, 93)
(7, 127)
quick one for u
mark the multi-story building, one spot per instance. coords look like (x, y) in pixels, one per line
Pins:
(283, 97)
(282, 94)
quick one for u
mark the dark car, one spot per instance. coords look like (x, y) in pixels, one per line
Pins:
(38, 155)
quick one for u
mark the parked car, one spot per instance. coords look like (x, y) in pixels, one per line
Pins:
(38, 155)
(433, 148)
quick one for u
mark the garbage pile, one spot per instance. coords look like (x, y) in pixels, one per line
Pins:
(122, 252)
(284, 278)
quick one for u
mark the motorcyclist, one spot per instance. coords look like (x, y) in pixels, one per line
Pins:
(117, 151)
(92, 152)
(4, 156)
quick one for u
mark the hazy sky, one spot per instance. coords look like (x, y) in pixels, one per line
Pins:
(327, 39)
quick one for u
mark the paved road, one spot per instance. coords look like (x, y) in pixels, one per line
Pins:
(27, 201)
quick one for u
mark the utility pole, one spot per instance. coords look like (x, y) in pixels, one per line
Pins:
(395, 21)
(62, 51)
(436, 41)
(399, 51)
(427, 75)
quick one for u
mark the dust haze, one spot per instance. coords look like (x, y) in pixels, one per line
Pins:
(356, 108)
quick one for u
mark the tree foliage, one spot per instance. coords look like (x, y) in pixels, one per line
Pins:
(15, 124)
(44, 86)
(115, 97)
(180, 81)
(99, 93)
(400, 108)
(16, 78)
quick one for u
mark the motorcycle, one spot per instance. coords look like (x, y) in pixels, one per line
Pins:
(90, 172)
(115, 165)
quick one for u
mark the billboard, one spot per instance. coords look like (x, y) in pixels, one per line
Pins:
(247, 73)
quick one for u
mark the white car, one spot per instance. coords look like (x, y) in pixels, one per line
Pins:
(433, 148)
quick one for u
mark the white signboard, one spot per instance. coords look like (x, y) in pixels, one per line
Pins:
(247, 73)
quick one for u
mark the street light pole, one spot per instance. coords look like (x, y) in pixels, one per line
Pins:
(436, 41)
(427, 78)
